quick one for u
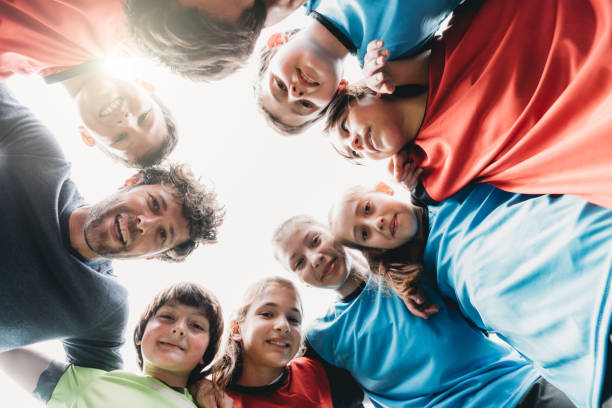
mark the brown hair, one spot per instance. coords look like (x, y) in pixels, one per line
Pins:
(199, 206)
(189, 294)
(228, 367)
(263, 64)
(191, 43)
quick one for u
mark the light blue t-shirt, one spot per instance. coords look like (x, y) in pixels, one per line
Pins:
(404, 361)
(404, 25)
(535, 270)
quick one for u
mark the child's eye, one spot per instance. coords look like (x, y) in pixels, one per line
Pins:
(298, 264)
(343, 126)
(198, 327)
(306, 104)
(364, 234)
(163, 235)
(121, 136)
(367, 208)
(355, 154)
(315, 241)
(294, 320)
(266, 314)
(165, 316)
(143, 117)
(281, 85)
(154, 204)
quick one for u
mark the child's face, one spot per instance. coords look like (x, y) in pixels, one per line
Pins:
(122, 117)
(312, 253)
(175, 339)
(374, 220)
(271, 332)
(371, 129)
(300, 82)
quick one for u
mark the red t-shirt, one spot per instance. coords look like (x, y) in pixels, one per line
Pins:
(521, 97)
(47, 36)
(304, 385)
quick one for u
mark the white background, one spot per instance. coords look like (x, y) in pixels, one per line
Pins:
(261, 178)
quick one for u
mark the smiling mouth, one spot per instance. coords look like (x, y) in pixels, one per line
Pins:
(111, 107)
(120, 229)
(305, 79)
(393, 225)
(278, 343)
(329, 269)
(170, 345)
(369, 141)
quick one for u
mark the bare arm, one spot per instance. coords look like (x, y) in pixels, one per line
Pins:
(383, 76)
(25, 366)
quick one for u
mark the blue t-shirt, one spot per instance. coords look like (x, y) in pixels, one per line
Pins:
(401, 360)
(404, 25)
(535, 270)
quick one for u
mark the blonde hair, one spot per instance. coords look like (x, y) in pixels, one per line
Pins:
(228, 367)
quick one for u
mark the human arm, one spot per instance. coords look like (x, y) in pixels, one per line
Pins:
(345, 391)
(384, 76)
(102, 348)
(404, 170)
(207, 395)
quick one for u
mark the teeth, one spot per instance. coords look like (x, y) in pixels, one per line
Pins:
(278, 343)
(111, 107)
(120, 230)
(123, 232)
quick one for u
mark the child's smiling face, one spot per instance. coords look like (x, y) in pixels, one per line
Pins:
(374, 219)
(300, 82)
(175, 340)
(311, 252)
(370, 129)
(271, 333)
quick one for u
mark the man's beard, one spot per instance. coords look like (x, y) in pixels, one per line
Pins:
(99, 239)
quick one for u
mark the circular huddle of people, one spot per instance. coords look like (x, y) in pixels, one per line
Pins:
(493, 117)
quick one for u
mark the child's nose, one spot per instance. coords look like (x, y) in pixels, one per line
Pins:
(356, 142)
(296, 92)
(380, 223)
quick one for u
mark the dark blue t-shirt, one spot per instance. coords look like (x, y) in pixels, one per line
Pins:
(47, 290)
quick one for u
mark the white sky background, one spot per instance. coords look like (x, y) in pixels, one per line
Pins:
(261, 178)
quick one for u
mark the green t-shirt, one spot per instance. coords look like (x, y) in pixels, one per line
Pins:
(81, 387)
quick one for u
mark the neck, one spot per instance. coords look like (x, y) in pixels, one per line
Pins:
(325, 40)
(75, 84)
(412, 110)
(357, 274)
(76, 227)
(170, 378)
(256, 375)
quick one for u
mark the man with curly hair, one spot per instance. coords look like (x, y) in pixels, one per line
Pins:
(56, 280)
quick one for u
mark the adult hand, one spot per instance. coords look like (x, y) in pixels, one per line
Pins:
(374, 64)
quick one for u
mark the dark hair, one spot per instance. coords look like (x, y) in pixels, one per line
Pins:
(228, 367)
(199, 206)
(263, 64)
(157, 156)
(189, 294)
(191, 43)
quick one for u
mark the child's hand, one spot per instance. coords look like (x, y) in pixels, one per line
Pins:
(374, 72)
(418, 305)
(210, 396)
(404, 170)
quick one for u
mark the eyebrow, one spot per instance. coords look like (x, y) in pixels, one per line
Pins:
(272, 304)
(356, 227)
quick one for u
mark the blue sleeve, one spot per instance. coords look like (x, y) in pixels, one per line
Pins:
(48, 380)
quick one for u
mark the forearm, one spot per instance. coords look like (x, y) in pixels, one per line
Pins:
(25, 366)
(410, 71)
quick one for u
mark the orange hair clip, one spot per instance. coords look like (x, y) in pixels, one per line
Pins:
(277, 39)
(383, 187)
(342, 85)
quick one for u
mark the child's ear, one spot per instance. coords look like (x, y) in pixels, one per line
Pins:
(86, 136)
(146, 85)
(235, 331)
(132, 180)
(276, 39)
(383, 187)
